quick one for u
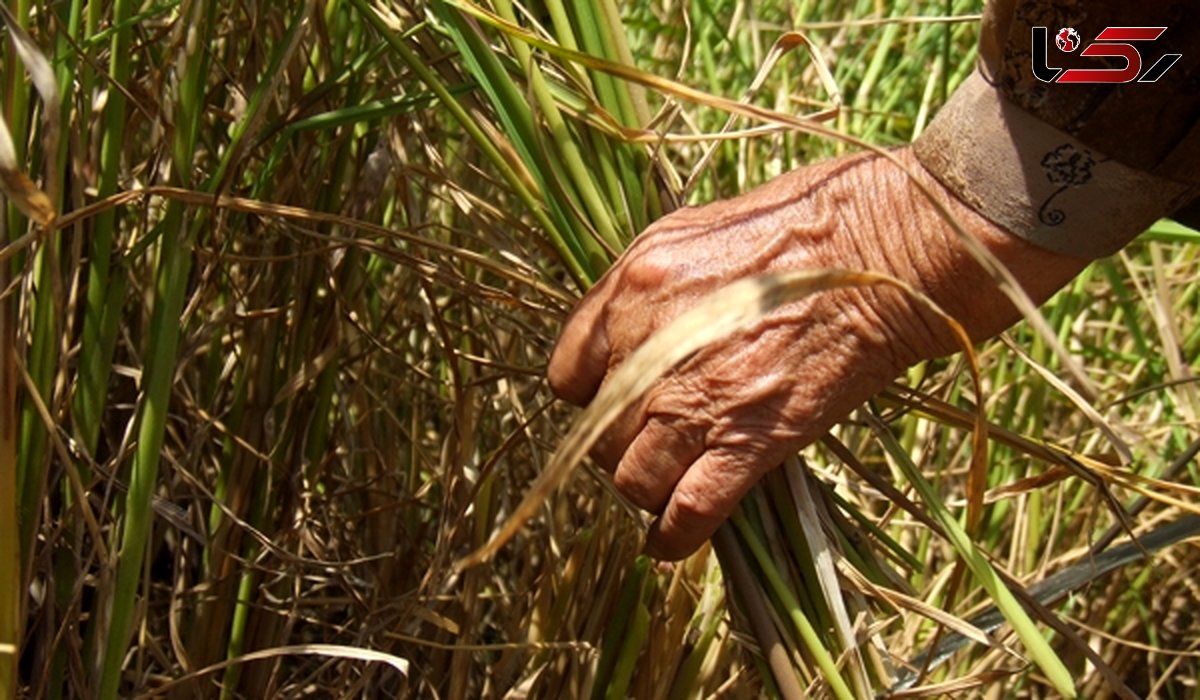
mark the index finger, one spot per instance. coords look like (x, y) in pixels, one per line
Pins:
(580, 358)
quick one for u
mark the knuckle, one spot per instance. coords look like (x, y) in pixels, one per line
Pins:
(648, 267)
(631, 482)
(695, 504)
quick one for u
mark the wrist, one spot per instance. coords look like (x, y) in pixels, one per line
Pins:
(915, 243)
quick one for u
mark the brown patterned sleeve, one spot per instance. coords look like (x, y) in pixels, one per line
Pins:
(1076, 167)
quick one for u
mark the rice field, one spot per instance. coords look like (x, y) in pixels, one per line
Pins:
(279, 286)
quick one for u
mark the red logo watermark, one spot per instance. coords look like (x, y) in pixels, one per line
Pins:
(1112, 42)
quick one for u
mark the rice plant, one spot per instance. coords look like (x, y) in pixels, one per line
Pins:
(279, 285)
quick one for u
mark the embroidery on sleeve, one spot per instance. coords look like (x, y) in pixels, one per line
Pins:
(1066, 167)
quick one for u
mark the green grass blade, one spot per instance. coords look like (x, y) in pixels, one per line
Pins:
(623, 617)
(103, 300)
(170, 287)
(1172, 232)
(42, 356)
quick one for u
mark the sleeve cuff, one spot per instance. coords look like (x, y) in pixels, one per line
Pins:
(1040, 183)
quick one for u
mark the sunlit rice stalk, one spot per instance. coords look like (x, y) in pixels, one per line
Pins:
(597, 24)
(558, 193)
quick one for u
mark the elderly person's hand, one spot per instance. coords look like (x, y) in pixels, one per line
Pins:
(704, 435)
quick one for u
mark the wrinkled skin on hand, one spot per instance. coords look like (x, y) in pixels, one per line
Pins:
(704, 434)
